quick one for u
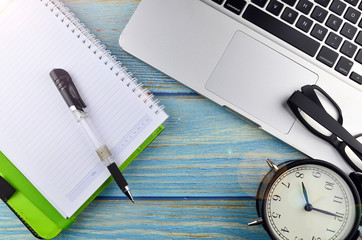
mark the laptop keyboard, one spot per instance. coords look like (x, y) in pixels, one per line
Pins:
(328, 30)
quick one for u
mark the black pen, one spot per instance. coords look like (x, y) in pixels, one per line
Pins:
(69, 92)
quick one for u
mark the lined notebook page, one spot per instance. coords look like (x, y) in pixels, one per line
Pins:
(38, 133)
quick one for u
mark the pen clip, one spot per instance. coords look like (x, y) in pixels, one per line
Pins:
(67, 89)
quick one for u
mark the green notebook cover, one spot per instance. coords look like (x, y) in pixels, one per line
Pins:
(37, 214)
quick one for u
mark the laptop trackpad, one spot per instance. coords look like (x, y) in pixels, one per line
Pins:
(259, 80)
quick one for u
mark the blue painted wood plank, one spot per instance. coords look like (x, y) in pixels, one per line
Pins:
(203, 154)
(153, 220)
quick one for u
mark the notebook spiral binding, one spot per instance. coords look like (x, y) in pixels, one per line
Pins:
(99, 50)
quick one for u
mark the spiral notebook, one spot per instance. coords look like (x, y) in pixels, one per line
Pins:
(38, 133)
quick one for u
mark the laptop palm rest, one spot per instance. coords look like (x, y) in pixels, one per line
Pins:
(259, 80)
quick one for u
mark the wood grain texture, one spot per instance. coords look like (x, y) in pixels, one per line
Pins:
(199, 154)
(197, 180)
(154, 219)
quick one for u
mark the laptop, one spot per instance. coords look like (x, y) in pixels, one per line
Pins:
(249, 56)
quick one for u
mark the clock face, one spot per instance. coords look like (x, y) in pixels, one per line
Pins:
(310, 201)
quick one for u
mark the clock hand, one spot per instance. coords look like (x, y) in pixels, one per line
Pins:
(325, 212)
(305, 193)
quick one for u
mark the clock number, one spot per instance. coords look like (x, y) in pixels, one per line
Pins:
(329, 230)
(316, 238)
(299, 175)
(338, 199)
(276, 215)
(285, 229)
(316, 174)
(339, 216)
(277, 198)
(286, 185)
(329, 185)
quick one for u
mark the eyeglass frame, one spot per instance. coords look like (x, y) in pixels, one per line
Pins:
(307, 101)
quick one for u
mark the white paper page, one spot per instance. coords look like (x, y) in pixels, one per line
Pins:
(38, 133)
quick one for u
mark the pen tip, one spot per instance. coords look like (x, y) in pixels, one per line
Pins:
(131, 198)
(129, 195)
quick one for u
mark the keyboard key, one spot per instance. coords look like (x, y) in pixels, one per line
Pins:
(334, 22)
(304, 6)
(334, 40)
(327, 56)
(304, 23)
(290, 2)
(218, 1)
(358, 57)
(319, 32)
(337, 7)
(289, 15)
(344, 66)
(235, 6)
(352, 15)
(324, 3)
(348, 30)
(359, 38)
(281, 30)
(348, 49)
(360, 6)
(260, 3)
(352, 2)
(356, 77)
(319, 14)
(275, 7)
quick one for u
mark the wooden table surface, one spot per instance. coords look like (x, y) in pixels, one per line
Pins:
(197, 180)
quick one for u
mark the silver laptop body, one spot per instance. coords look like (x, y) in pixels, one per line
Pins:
(250, 56)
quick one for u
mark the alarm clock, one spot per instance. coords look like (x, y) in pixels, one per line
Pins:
(309, 199)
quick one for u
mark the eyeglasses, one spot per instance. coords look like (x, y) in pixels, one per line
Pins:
(319, 113)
